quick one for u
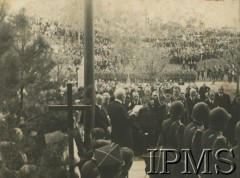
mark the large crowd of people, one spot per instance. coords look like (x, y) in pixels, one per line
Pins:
(137, 118)
(129, 118)
(68, 43)
(192, 45)
(185, 47)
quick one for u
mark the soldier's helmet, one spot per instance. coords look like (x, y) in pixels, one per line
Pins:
(237, 131)
(200, 112)
(218, 118)
(177, 108)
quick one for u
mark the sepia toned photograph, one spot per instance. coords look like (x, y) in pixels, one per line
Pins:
(119, 88)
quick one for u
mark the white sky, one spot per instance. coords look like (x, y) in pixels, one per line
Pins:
(208, 13)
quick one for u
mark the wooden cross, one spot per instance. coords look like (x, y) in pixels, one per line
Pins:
(70, 108)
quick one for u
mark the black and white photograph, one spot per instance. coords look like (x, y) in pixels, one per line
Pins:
(119, 88)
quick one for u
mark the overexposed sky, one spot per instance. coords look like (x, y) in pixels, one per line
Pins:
(208, 13)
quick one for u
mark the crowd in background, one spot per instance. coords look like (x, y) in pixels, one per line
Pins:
(186, 48)
(68, 43)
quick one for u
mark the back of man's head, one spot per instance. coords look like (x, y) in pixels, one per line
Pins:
(120, 94)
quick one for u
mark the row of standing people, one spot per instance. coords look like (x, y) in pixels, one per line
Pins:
(140, 129)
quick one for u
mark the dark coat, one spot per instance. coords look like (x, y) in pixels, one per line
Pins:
(170, 136)
(189, 107)
(203, 91)
(189, 133)
(101, 120)
(211, 105)
(214, 140)
(223, 101)
(147, 120)
(121, 124)
(230, 130)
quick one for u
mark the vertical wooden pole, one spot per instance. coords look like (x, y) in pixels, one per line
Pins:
(70, 130)
(89, 78)
(238, 77)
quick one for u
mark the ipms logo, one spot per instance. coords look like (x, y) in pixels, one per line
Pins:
(191, 165)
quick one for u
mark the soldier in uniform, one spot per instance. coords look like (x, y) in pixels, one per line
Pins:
(170, 138)
(236, 150)
(200, 114)
(172, 135)
(213, 137)
(235, 112)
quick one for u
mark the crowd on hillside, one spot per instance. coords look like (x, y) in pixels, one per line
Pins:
(69, 43)
(194, 46)
(186, 48)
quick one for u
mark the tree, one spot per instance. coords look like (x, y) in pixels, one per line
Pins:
(6, 39)
(25, 59)
(232, 56)
(7, 62)
(153, 61)
(33, 54)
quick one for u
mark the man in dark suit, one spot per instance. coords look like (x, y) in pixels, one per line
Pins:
(121, 122)
(101, 120)
(190, 102)
(211, 101)
(223, 99)
(202, 92)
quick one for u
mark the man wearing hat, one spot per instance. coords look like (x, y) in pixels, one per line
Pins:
(109, 161)
(90, 168)
(121, 122)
